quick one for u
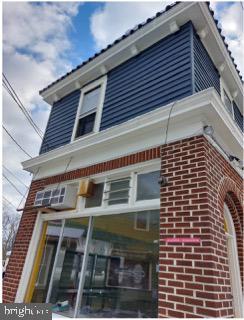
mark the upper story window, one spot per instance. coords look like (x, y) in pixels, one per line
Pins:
(231, 106)
(90, 109)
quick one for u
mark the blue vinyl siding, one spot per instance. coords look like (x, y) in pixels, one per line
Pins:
(238, 116)
(61, 122)
(173, 68)
(205, 73)
(157, 76)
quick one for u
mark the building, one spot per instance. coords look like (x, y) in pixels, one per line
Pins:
(135, 208)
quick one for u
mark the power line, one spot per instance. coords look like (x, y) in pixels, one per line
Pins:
(24, 196)
(9, 134)
(8, 202)
(14, 176)
(12, 184)
(8, 87)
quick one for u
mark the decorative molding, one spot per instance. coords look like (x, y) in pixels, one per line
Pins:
(103, 69)
(203, 33)
(192, 112)
(134, 50)
(173, 27)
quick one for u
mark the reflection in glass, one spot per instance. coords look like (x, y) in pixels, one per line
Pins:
(67, 271)
(148, 186)
(46, 266)
(121, 276)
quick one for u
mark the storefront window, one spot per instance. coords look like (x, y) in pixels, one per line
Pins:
(116, 275)
(67, 271)
(121, 276)
(46, 266)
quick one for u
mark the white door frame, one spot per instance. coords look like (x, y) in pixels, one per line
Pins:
(234, 266)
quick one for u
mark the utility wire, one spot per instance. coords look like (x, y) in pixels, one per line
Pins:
(9, 134)
(25, 195)
(12, 184)
(8, 202)
(9, 171)
(8, 87)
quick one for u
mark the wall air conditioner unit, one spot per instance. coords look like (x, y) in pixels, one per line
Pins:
(63, 197)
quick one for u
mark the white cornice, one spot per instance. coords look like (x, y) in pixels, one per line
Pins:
(188, 115)
(197, 12)
(220, 43)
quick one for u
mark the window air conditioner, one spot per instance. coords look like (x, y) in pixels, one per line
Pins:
(63, 197)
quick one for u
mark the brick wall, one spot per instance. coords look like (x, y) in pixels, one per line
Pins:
(194, 278)
(23, 237)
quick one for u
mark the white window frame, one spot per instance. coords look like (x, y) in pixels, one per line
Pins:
(82, 212)
(234, 265)
(147, 222)
(102, 82)
(223, 88)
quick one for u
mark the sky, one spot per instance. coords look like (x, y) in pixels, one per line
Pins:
(44, 40)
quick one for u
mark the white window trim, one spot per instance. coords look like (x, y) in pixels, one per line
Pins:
(223, 87)
(233, 264)
(99, 82)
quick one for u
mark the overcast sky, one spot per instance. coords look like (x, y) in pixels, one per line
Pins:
(44, 40)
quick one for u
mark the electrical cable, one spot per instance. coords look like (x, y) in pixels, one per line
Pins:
(25, 195)
(9, 134)
(14, 176)
(10, 203)
(12, 184)
(8, 87)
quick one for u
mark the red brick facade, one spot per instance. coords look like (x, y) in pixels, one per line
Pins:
(194, 279)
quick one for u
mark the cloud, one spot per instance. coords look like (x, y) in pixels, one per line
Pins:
(231, 19)
(36, 48)
(115, 18)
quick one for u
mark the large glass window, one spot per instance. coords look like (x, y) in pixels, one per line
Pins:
(110, 262)
(121, 277)
(48, 256)
(67, 270)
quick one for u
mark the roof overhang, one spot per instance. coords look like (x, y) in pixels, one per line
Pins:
(188, 117)
(150, 33)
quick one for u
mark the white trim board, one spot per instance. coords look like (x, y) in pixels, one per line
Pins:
(188, 117)
(197, 12)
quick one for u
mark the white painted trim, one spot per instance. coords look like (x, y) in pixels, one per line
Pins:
(197, 12)
(220, 43)
(98, 211)
(234, 265)
(102, 82)
(223, 87)
(114, 53)
(206, 106)
(60, 239)
(29, 260)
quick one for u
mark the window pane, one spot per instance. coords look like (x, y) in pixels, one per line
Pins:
(123, 268)
(118, 185)
(45, 269)
(148, 186)
(118, 191)
(227, 102)
(90, 100)
(86, 125)
(67, 272)
(96, 199)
